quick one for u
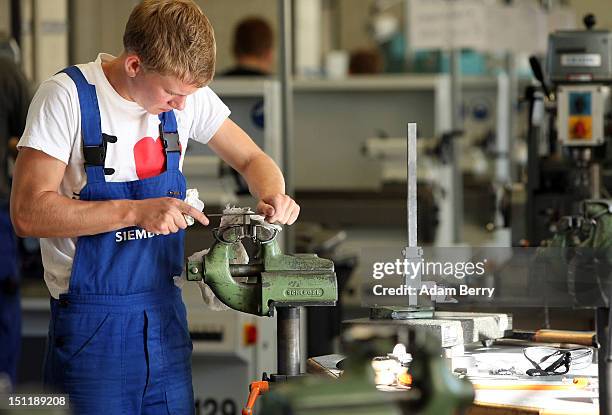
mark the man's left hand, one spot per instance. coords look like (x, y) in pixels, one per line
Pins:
(279, 208)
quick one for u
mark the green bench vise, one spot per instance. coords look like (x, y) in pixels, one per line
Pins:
(278, 280)
(274, 282)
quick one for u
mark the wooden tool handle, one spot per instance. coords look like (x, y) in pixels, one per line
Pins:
(584, 338)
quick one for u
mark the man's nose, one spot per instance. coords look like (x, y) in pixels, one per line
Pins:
(178, 103)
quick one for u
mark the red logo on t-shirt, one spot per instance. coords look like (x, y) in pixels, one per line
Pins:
(149, 157)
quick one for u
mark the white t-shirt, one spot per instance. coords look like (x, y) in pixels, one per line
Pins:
(54, 126)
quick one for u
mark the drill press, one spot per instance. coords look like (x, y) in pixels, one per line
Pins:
(273, 282)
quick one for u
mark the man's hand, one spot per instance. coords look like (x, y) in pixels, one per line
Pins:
(279, 208)
(164, 215)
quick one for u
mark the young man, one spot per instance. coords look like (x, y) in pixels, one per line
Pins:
(101, 156)
(253, 48)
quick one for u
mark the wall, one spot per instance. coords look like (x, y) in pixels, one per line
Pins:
(602, 9)
(51, 36)
(5, 21)
(98, 27)
(354, 20)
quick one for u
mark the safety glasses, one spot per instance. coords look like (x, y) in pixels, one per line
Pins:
(548, 361)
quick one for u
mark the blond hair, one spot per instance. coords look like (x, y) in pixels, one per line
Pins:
(172, 37)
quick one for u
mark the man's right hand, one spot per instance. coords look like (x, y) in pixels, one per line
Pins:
(164, 215)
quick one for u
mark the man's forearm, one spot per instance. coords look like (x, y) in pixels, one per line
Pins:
(50, 214)
(264, 177)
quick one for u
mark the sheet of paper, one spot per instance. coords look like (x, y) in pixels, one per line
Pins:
(483, 26)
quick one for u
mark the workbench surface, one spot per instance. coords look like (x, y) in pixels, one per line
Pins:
(499, 401)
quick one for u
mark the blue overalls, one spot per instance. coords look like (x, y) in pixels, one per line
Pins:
(10, 306)
(118, 340)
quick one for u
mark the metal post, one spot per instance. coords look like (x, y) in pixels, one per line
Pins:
(603, 361)
(595, 180)
(15, 6)
(536, 121)
(411, 209)
(285, 75)
(412, 185)
(34, 37)
(288, 341)
(71, 16)
(457, 124)
(513, 96)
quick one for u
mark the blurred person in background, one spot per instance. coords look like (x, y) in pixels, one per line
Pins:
(14, 101)
(253, 48)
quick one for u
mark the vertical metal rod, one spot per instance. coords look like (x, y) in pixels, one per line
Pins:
(536, 120)
(456, 116)
(411, 208)
(285, 74)
(595, 181)
(34, 39)
(71, 17)
(513, 97)
(288, 341)
(15, 6)
(603, 361)
(412, 185)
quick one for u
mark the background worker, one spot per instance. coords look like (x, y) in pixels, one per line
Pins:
(253, 48)
(14, 100)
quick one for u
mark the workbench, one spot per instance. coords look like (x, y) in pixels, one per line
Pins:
(519, 402)
(507, 402)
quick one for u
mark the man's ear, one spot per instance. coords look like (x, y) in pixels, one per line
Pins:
(133, 65)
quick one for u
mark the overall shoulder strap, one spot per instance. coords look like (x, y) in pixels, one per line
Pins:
(168, 133)
(94, 144)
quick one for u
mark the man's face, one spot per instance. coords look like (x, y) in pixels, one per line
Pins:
(160, 93)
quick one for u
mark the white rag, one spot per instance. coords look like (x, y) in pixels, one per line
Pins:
(193, 199)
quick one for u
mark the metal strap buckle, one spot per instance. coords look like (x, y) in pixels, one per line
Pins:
(170, 141)
(96, 155)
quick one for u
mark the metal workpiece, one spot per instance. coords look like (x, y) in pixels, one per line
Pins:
(246, 270)
(288, 341)
(452, 329)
